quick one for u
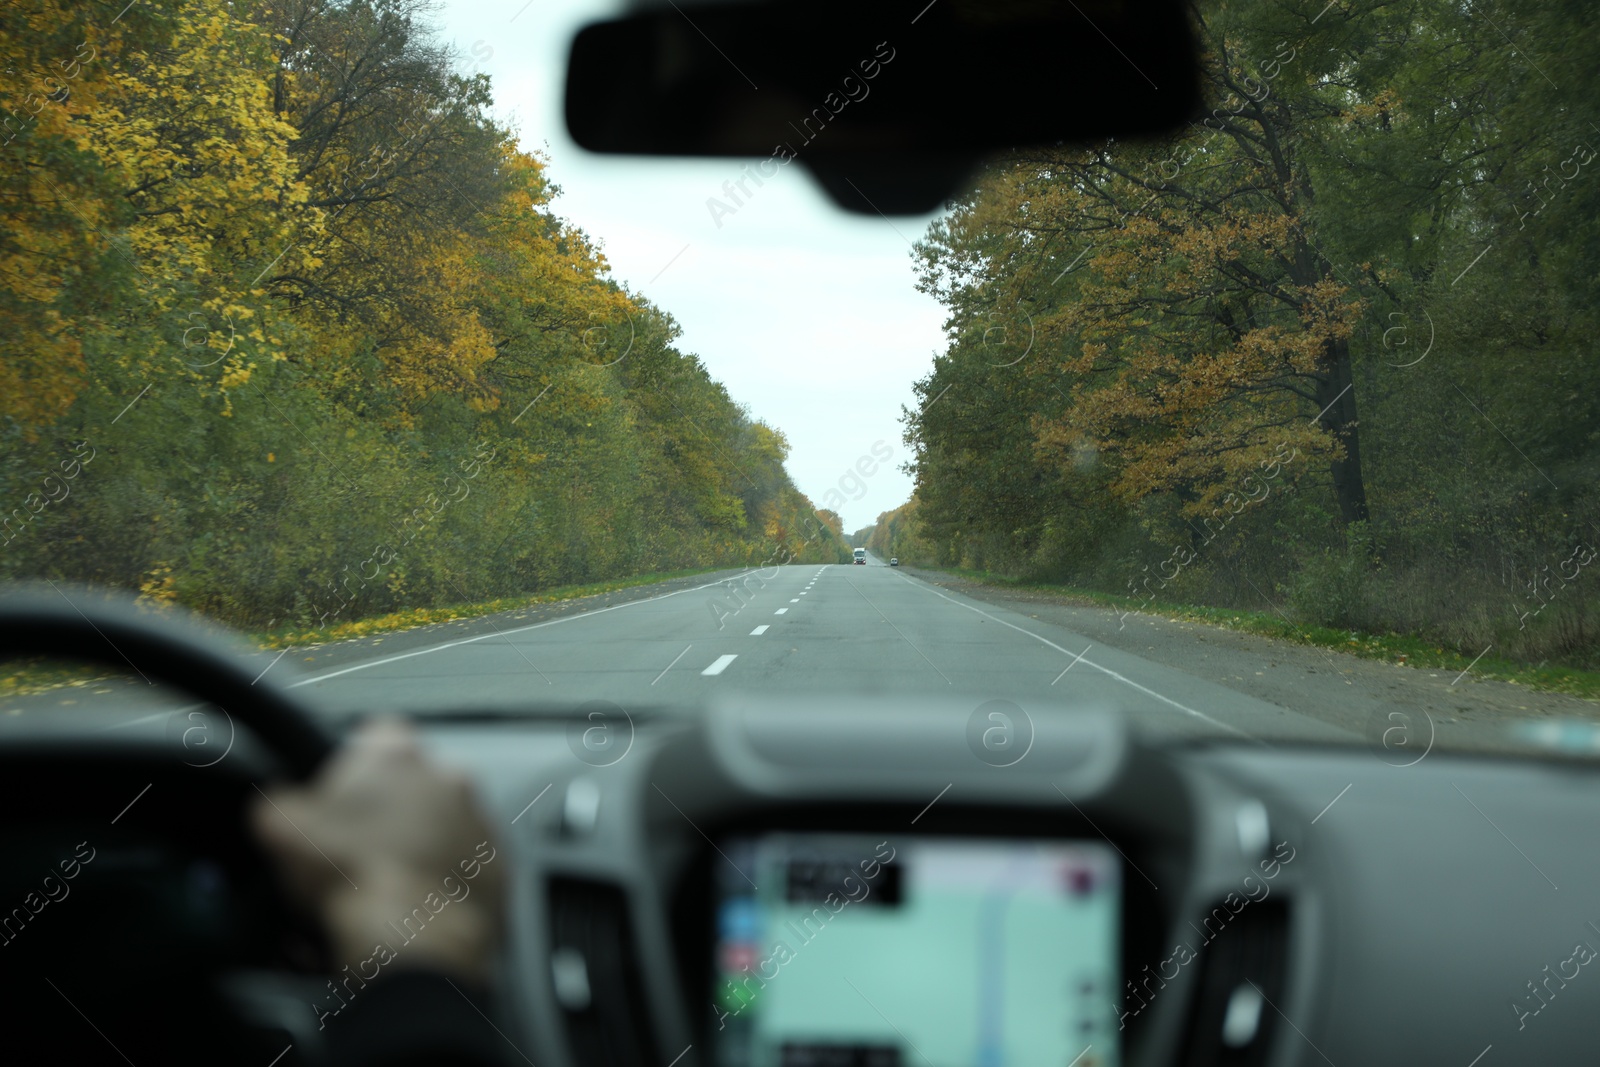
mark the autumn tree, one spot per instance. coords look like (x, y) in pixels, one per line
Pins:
(1372, 256)
(295, 335)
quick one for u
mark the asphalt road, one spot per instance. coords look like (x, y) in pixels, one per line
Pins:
(796, 629)
(828, 629)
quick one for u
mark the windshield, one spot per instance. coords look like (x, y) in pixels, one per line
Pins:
(316, 322)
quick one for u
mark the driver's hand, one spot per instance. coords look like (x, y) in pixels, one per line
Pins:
(393, 854)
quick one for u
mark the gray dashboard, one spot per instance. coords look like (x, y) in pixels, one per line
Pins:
(1284, 905)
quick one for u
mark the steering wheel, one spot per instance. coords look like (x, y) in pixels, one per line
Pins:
(169, 645)
(116, 947)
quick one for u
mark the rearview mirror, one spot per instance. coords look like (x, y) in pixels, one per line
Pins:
(889, 104)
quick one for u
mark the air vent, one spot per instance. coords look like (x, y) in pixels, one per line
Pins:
(595, 973)
(1241, 978)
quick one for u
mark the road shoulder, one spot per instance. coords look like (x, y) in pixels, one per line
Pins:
(1345, 691)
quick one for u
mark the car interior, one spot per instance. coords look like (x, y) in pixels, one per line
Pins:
(1022, 881)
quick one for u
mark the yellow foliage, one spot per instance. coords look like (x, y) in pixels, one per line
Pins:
(160, 585)
(1156, 381)
(159, 169)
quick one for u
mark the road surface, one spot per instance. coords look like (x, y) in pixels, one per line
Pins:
(819, 628)
(845, 628)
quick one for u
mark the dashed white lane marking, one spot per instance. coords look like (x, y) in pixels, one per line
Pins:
(720, 665)
(781, 611)
(794, 600)
(502, 633)
(758, 631)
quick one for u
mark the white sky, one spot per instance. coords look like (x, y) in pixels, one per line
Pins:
(805, 313)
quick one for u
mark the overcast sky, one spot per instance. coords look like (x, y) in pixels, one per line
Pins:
(806, 314)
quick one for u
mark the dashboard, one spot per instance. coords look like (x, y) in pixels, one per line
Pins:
(1095, 900)
(876, 881)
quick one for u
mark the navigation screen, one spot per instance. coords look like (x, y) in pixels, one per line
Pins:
(847, 951)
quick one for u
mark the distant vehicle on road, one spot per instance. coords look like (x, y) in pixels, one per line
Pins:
(861, 556)
(894, 561)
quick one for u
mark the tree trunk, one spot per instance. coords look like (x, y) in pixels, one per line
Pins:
(1337, 396)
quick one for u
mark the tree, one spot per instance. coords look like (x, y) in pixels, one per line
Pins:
(1366, 277)
(294, 334)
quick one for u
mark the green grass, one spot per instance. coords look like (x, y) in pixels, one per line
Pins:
(1406, 649)
(29, 677)
(414, 617)
(19, 677)
(26, 676)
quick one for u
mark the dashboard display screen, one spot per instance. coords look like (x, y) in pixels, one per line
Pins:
(898, 951)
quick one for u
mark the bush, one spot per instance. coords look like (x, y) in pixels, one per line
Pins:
(1333, 587)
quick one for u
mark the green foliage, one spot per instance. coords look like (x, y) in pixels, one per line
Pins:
(1378, 256)
(896, 535)
(385, 377)
(1332, 588)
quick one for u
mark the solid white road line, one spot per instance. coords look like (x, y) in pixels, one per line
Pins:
(720, 665)
(1125, 680)
(502, 633)
(758, 630)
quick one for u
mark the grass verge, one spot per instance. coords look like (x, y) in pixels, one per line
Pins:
(26, 676)
(21, 677)
(414, 617)
(1404, 649)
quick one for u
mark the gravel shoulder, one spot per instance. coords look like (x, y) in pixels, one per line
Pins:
(1381, 703)
(1363, 696)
